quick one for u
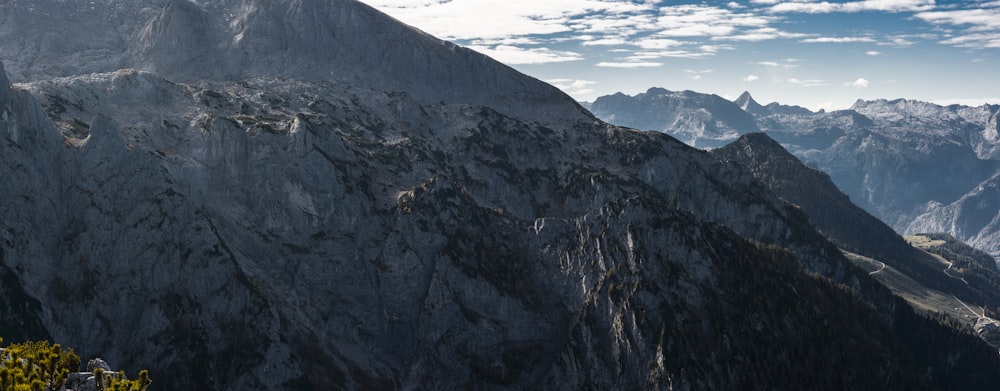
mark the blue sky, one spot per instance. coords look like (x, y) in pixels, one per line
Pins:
(817, 54)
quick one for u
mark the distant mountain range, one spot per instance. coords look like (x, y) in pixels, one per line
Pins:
(309, 195)
(918, 166)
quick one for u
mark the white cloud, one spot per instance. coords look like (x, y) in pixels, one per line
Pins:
(873, 53)
(900, 42)
(573, 86)
(606, 42)
(690, 20)
(976, 41)
(859, 83)
(837, 40)
(635, 64)
(697, 75)
(516, 55)
(807, 83)
(536, 32)
(787, 63)
(658, 43)
(762, 34)
(980, 19)
(980, 26)
(751, 78)
(825, 7)
(679, 53)
(495, 19)
(505, 41)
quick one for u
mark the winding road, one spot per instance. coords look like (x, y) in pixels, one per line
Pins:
(950, 264)
(879, 269)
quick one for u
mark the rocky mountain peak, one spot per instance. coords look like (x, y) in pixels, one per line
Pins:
(748, 104)
(226, 41)
(705, 120)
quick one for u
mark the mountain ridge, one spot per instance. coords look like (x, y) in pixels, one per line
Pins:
(286, 233)
(905, 161)
(699, 119)
(236, 39)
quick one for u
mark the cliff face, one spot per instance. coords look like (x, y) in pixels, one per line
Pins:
(267, 232)
(330, 235)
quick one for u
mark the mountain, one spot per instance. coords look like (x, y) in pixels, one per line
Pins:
(975, 216)
(832, 211)
(915, 156)
(231, 40)
(909, 163)
(248, 228)
(749, 105)
(698, 119)
(859, 233)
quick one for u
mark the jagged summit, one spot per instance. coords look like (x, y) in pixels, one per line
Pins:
(748, 104)
(336, 40)
(698, 119)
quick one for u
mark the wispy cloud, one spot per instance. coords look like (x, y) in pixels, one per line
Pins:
(807, 83)
(873, 53)
(706, 21)
(476, 19)
(786, 63)
(696, 74)
(751, 78)
(573, 86)
(606, 42)
(980, 26)
(824, 7)
(761, 34)
(837, 40)
(635, 64)
(518, 55)
(528, 31)
(859, 83)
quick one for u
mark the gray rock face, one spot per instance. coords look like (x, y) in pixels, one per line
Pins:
(4, 91)
(231, 40)
(975, 217)
(268, 219)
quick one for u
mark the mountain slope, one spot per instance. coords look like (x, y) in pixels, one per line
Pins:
(230, 40)
(828, 208)
(359, 245)
(907, 162)
(852, 228)
(975, 216)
